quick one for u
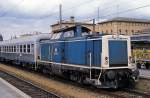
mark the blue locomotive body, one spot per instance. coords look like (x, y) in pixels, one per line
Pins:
(98, 60)
(75, 51)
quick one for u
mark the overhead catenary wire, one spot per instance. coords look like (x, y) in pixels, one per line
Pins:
(88, 19)
(69, 9)
(119, 12)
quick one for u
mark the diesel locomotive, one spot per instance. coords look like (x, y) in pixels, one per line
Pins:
(101, 60)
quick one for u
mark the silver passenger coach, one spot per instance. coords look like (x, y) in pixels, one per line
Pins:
(23, 50)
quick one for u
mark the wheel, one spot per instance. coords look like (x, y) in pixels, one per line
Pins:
(139, 65)
(147, 65)
(80, 79)
(131, 83)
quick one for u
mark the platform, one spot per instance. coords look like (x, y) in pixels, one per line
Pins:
(145, 73)
(9, 91)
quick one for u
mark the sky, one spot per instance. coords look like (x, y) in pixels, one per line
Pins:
(19, 17)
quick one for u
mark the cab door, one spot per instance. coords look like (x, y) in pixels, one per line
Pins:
(45, 52)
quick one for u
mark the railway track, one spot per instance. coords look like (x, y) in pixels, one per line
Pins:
(27, 87)
(122, 93)
(97, 93)
(129, 93)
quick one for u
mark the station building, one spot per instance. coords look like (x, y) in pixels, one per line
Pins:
(124, 26)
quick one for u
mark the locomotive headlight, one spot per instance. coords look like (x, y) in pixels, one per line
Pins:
(106, 60)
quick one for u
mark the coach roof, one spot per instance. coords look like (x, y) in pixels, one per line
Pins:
(26, 39)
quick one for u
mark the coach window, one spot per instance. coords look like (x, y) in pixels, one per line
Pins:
(21, 48)
(8, 48)
(28, 48)
(5, 48)
(14, 48)
(24, 48)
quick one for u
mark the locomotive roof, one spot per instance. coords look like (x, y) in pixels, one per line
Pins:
(26, 39)
(72, 28)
